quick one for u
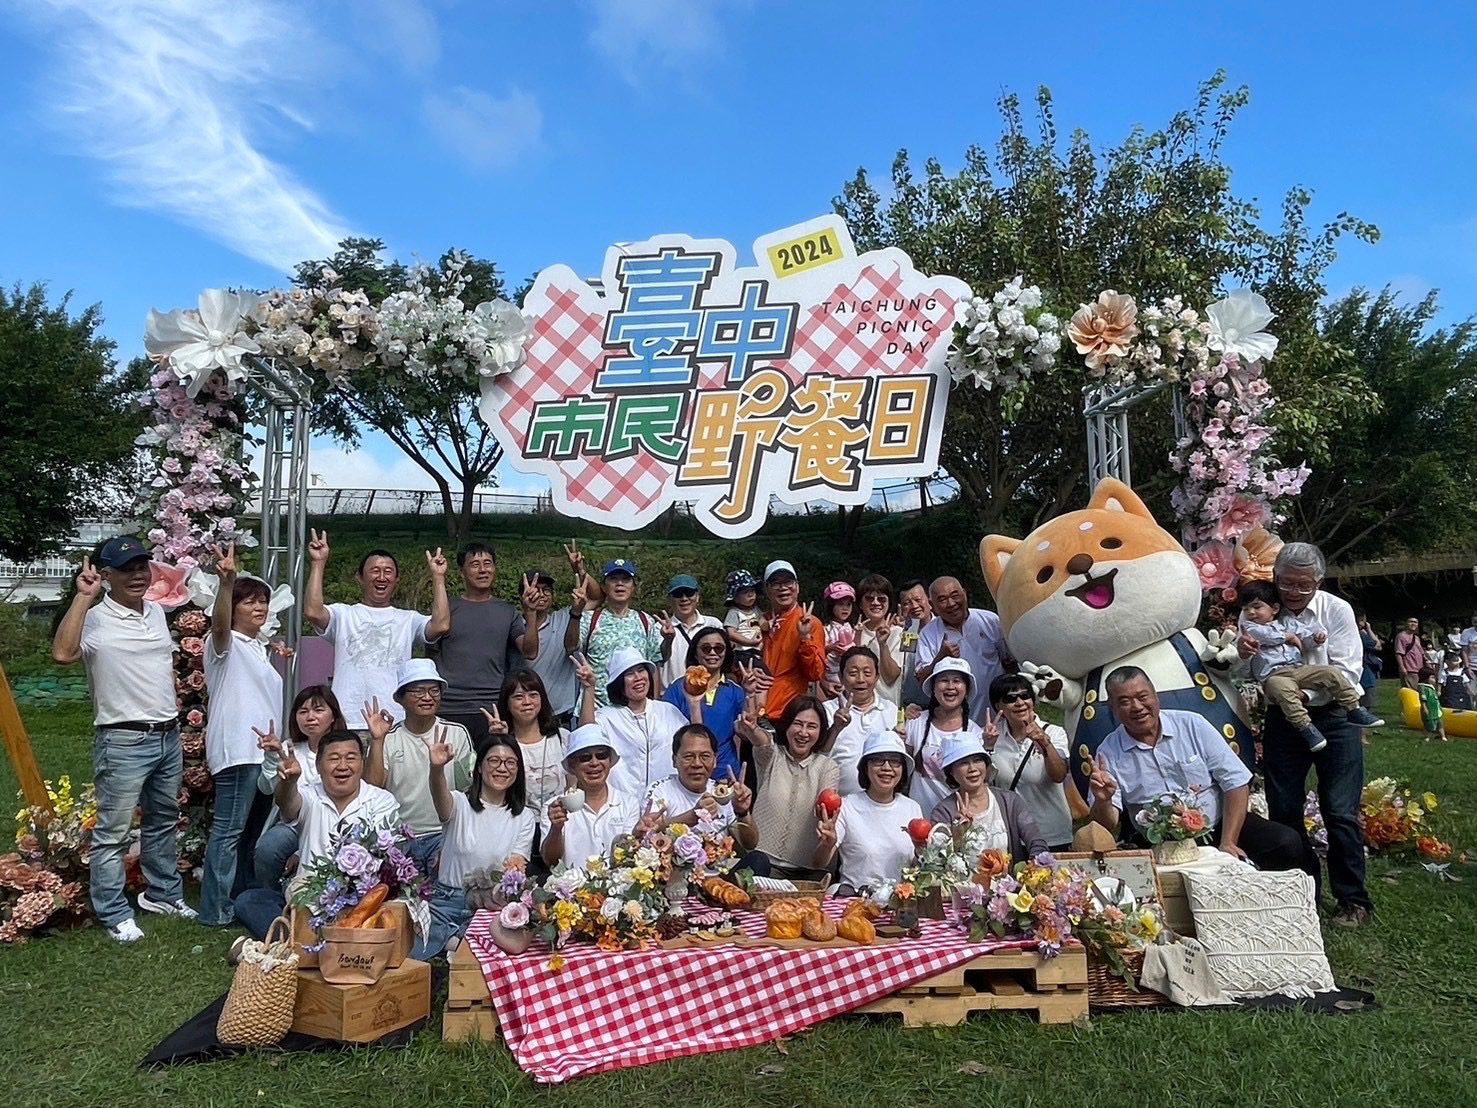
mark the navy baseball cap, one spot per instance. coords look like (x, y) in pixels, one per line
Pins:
(117, 553)
(619, 565)
(541, 576)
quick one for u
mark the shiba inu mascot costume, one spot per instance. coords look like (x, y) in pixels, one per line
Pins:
(1104, 587)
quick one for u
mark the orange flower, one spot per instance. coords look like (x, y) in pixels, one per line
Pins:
(992, 864)
(1433, 848)
(905, 890)
(1104, 330)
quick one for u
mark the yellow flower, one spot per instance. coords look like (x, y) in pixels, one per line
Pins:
(642, 876)
(1430, 799)
(556, 963)
(619, 855)
(677, 830)
(1020, 901)
(566, 912)
(1149, 925)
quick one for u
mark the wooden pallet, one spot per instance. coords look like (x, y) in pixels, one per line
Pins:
(1055, 989)
(469, 1013)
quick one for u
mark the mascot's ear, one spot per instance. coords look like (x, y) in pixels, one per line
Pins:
(995, 551)
(1112, 495)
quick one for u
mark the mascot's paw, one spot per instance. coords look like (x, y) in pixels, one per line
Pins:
(1219, 649)
(1044, 682)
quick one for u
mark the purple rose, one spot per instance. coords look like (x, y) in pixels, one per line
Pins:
(689, 849)
(385, 839)
(354, 860)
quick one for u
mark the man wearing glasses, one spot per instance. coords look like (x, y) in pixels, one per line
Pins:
(400, 759)
(678, 630)
(1298, 575)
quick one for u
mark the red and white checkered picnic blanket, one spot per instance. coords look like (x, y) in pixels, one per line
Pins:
(611, 1010)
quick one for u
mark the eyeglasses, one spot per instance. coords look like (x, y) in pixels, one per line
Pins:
(894, 760)
(683, 594)
(501, 763)
(1297, 590)
(692, 758)
(1016, 697)
(584, 756)
(424, 692)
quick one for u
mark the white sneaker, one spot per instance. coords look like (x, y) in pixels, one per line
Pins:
(125, 932)
(177, 908)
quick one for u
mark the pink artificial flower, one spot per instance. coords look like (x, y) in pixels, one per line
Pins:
(194, 646)
(1197, 387)
(1215, 564)
(1241, 516)
(167, 585)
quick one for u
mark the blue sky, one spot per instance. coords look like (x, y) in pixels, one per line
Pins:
(152, 148)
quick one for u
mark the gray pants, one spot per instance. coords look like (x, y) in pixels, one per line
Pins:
(1284, 688)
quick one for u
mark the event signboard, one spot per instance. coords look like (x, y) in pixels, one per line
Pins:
(809, 374)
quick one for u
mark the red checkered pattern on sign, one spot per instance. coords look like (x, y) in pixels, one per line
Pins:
(612, 1010)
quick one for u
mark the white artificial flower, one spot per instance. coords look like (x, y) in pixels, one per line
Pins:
(1236, 326)
(611, 907)
(196, 343)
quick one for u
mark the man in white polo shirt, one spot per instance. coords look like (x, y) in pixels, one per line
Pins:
(125, 644)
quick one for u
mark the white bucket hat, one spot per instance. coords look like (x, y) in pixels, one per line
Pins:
(959, 747)
(622, 662)
(886, 742)
(414, 672)
(950, 665)
(587, 737)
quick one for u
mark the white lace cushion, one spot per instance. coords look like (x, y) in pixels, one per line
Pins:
(1260, 932)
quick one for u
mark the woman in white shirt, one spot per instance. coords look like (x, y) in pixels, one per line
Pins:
(586, 821)
(1029, 757)
(490, 826)
(638, 727)
(946, 716)
(871, 829)
(315, 712)
(997, 820)
(856, 715)
(523, 710)
(245, 693)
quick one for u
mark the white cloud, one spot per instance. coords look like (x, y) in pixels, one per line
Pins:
(403, 30)
(638, 35)
(166, 93)
(483, 130)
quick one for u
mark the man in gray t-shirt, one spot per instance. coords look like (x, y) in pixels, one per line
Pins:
(552, 662)
(473, 656)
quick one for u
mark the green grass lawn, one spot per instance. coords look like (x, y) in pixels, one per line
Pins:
(79, 1011)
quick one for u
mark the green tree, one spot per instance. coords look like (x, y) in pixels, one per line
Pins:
(1401, 472)
(1153, 216)
(434, 421)
(69, 421)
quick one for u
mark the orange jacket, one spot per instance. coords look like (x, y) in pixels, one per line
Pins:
(793, 662)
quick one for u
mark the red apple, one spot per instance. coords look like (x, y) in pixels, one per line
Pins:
(918, 830)
(830, 802)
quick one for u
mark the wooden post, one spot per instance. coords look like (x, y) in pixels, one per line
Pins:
(18, 747)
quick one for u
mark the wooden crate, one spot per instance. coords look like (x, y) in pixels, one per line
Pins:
(362, 1013)
(1175, 903)
(303, 937)
(469, 1013)
(1055, 989)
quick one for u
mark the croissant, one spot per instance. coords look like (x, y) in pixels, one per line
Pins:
(725, 893)
(856, 927)
(818, 927)
(697, 679)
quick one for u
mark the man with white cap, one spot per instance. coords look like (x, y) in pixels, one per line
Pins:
(586, 821)
(794, 641)
(638, 726)
(998, 820)
(871, 828)
(945, 716)
(400, 758)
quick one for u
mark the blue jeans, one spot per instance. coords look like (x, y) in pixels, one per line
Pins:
(277, 844)
(235, 790)
(423, 848)
(450, 914)
(135, 769)
(1340, 768)
(257, 908)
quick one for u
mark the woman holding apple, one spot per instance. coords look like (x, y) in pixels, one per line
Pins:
(998, 820)
(871, 829)
(794, 777)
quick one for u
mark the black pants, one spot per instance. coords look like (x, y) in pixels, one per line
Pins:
(474, 722)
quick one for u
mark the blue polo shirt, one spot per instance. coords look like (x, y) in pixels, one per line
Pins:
(1191, 759)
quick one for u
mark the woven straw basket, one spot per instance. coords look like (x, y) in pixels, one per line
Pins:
(258, 1009)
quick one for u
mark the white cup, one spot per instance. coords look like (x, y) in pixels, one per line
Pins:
(573, 800)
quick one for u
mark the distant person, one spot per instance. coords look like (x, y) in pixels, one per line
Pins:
(680, 628)
(743, 620)
(614, 625)
(1410, 653)
(137, 763)
(794, 644)
(1454, 681)
(373, 639)
(1373, 662)
(473, 655)
(1467, 640)
(1432, 717)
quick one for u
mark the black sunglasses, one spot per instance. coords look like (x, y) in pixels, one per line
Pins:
(1016, 697)
(598, 755)
(683, 594)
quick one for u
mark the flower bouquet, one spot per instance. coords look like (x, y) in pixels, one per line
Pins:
(1004, 341)
(1173, 826)
(33, 897)
(944, 863)
(1114, 937)
(618, 907)
(1396, 820)
(365, 861)
(1042, 901)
